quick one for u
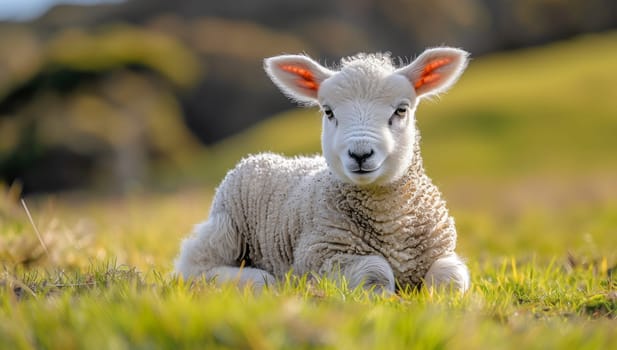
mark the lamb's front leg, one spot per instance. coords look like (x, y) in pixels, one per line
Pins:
(448, 271)
(371, 271)
(213, 250)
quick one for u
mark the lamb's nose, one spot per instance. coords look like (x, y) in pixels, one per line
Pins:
(360, 157)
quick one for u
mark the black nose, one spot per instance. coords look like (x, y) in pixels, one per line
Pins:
(360, 157)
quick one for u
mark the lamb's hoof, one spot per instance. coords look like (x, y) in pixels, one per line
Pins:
(267, 281)
(449, 272)
(376, 275)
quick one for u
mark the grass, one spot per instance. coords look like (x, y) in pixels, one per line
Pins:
(109, 306)
(523, 149)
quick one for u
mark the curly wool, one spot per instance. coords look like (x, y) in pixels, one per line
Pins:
(295, 214)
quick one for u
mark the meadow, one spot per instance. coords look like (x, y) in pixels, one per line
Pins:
(524, 150)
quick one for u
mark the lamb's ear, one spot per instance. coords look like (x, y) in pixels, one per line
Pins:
(298, 77)
(435, 70)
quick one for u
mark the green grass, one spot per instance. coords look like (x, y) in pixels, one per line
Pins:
(109, 306)
(523, 148)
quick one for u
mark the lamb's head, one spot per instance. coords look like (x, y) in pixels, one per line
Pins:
(368, 106)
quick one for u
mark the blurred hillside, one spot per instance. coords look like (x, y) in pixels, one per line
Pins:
(108, 95)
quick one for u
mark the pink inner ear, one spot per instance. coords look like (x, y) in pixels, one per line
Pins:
(306, 77)
(428, 74)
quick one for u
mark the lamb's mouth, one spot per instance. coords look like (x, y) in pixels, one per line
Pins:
(362, 171)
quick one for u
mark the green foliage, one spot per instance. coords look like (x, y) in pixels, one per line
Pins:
(103, 103)
(119, 45)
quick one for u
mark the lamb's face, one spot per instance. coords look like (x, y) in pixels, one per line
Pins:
(368, 107)
(368, 125)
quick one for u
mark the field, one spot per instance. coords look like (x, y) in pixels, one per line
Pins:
(523, 149)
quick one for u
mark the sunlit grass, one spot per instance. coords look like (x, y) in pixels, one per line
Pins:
(510, 305)
(141, 230)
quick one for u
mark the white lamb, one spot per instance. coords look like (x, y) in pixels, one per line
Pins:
(365, 211)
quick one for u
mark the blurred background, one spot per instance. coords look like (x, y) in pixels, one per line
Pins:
(118, 95)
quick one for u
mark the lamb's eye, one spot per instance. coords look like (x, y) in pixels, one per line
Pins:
(328, 112)
(401, 111)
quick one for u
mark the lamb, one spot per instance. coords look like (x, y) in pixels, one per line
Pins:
(365, 212)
